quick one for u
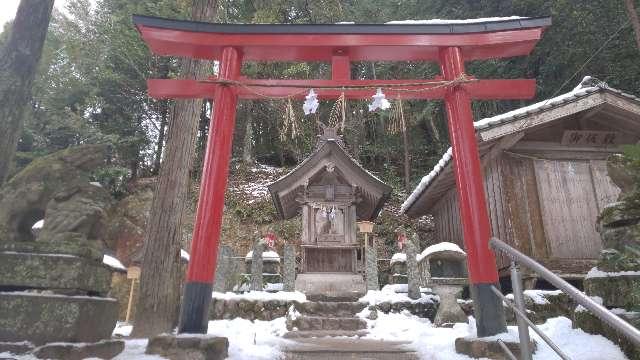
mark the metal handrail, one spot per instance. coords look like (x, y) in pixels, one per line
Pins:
(524, 343)
(598, 310)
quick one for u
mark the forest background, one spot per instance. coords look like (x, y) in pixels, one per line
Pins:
(91, 87)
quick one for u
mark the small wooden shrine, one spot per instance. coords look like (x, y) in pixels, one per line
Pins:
(333, 192)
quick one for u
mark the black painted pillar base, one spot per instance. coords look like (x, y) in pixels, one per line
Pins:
(194, 311)
(488, 310)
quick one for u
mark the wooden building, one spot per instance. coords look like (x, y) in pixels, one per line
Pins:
(545, 176)
(332, 191)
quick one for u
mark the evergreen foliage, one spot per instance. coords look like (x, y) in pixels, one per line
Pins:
(91, 84)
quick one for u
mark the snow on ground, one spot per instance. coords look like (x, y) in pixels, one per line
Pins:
(256, 189)
(597, 273)
(439, 343)
(390, 294)
(262, 295)
(248, 340)
(539, 297)
(251, 340)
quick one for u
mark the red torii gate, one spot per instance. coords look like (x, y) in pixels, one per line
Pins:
(449, 44)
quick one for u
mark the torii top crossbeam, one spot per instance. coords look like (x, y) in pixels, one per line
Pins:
(449, 44)
(340, 44)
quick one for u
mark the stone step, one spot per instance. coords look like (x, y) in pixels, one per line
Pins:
(331, 309)
(304, 323)
(324, 334)
(348, 348)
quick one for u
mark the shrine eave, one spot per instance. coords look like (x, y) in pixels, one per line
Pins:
(360, 42)
(374, 192)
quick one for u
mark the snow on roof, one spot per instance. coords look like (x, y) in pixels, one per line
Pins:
(458, 21)
(586, 87)
(266, 255)
(443, 246)
(113, 263)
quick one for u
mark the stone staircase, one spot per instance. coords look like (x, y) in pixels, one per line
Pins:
(325, 318)
(332, 330)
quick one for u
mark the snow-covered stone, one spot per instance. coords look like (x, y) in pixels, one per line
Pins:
(113, 263)
(266, 255)
(388, 294)
(443, 246)
(398, 257)
(38, 225)
(184, 255)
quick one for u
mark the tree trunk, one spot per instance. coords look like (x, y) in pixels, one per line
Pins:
(158, 304)
(164, 114)
(163, 72)
(18, 65)
(247, 149)
(405, 144)
(633, 17)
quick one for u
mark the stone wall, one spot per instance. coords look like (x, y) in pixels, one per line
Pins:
(271, 309)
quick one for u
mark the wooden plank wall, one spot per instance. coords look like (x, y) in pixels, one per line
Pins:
(446, 212)
(544, 208)
(522, 206)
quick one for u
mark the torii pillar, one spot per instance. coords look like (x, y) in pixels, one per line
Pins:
(448, 44)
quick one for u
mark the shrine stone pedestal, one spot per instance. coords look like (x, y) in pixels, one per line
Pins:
(189, 346)
(331, 287)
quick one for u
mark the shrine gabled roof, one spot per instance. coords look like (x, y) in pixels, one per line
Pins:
(374, 191)
(493, 128)
(479, 39)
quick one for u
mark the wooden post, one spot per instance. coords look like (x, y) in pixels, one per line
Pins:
(206, 232)
(476, 227)
(133, 273)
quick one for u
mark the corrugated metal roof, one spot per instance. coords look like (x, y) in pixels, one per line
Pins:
(581, 91)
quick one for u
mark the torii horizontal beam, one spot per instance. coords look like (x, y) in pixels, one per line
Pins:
(497, 89)
(361, 42)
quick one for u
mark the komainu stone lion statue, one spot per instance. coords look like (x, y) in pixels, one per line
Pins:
(56, 188)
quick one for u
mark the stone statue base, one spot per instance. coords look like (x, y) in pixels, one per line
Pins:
(63, 273)
(42, 318)
(449, 312)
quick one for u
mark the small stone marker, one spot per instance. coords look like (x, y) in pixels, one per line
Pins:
(222, 271)
(413, 275)
(371, 269)
(256, 266)
(289, 267)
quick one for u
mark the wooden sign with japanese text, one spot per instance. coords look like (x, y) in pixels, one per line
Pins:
(591, 137)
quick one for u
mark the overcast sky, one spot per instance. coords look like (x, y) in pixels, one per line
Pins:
(8, 9)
